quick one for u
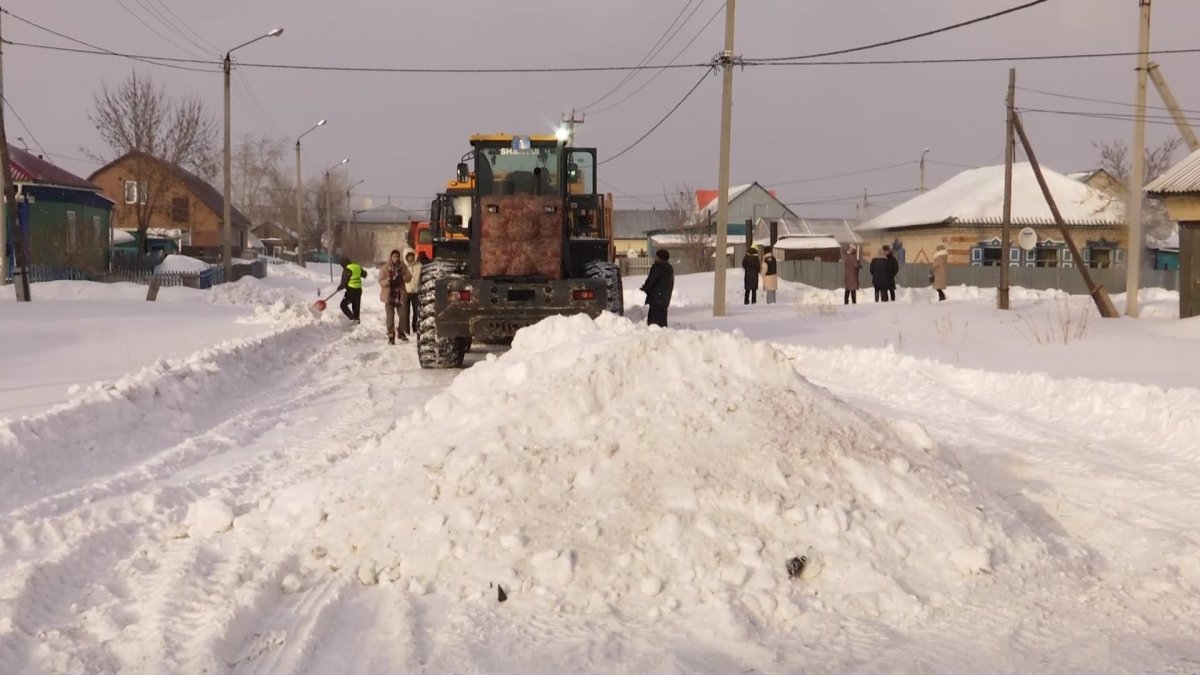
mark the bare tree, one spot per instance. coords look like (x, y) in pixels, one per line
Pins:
(690, 228)
(261, 183)
(160, 133)
(1114, 158)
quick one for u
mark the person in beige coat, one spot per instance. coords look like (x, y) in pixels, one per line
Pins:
(770, 274)
(937, 273)
(393, 291)
(414, 269)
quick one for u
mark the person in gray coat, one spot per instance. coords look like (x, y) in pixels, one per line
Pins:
(851, 266)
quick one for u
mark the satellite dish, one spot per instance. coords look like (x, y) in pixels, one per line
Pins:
(367, 203)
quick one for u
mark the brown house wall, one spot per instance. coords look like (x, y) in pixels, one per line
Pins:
(204, 223)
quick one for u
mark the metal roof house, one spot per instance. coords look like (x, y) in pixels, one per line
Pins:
(65, 219)
(1179, 188)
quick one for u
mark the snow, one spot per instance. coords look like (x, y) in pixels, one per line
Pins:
(803, 243)
(977, 196)
(122, 237)
(965, 486)
(176, 264)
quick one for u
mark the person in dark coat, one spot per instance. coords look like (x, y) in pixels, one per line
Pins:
(881, 276)
(751, 264)
(850, 269)
(660, 283)
(893, 271)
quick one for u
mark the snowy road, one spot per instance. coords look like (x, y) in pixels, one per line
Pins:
(111, 550)
(308, 500)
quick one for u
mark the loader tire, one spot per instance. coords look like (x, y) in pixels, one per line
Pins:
(611, 274)
(434, 351)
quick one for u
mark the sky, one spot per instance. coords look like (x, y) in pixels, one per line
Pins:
(404, 133)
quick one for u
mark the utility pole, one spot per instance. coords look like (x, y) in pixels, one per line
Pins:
(1006, 227)
(329, 223)
(1168, 98)
(227, 212)
(299, 210)
(1137, 177)
(727, 61)
(568, 124)
(5, 174)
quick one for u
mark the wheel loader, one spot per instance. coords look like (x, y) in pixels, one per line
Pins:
(519, 235)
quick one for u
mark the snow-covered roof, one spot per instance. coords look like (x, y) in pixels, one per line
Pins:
(1183, 177)
(122, 237)
(977, 197)
(734, 193)
(806, 243)
(680, 239)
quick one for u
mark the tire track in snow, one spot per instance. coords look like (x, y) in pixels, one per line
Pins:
(170, 619)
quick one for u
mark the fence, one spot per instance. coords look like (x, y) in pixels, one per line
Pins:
(641, 266)
(829, 275)
(208, 278)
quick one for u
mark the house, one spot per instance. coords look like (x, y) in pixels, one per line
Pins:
(749, 203)
(632, 228)
(276, 239)
(66, 219)
(1101, 180)
(1179, 188)
(386, 227)
(147, 189)
(966, 212)
(808, 247)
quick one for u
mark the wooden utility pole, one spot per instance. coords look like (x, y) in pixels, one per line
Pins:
(9, 198)
(1006, 226)
(1099, 295)
(726, 60)
(1133, 259)
(569, 124)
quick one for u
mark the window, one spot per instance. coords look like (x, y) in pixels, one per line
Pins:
(976, 255)
(1120, 256)
(72, 232)
(521, 169)
(180, 210)
(1014, 255)
(135, 192)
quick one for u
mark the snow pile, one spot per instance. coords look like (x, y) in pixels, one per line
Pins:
(603, 466)
(181, 264)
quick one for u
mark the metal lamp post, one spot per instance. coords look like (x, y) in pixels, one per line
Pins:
(227, 227)
(329, 216)
(922, 190)
(300, 197)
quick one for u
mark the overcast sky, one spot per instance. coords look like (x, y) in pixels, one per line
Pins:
(404, 133)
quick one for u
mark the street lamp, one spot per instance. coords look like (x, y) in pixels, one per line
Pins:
(922, 189)
(329, 216)
(300, 197)
(350, 209)
(227, 228)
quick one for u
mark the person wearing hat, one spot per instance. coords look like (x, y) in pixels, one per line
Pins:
(751, 264)
(770, 274)
(660, 283)
(393, 291)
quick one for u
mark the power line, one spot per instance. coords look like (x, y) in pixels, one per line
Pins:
(25, 126)
(673, 60)
(1149, 119)
(660, 122)
(851, 198)
(976, 59)
(1100, 100)
(142, 21)
(167, 61)
(649, 55)
(843, 175)
(186, 26)
(158, 15)
(907, 38)
(94, 49)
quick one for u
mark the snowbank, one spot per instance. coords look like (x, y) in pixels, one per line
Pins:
(181, 264)
(568, 471)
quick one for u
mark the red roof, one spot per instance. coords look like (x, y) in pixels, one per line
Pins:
(708, 196)
(27, 167)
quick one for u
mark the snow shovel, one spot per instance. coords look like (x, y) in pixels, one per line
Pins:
(319, 305)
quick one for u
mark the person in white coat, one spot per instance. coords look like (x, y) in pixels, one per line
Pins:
(414, 268)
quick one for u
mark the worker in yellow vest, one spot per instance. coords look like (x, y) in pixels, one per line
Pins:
(352, 280)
